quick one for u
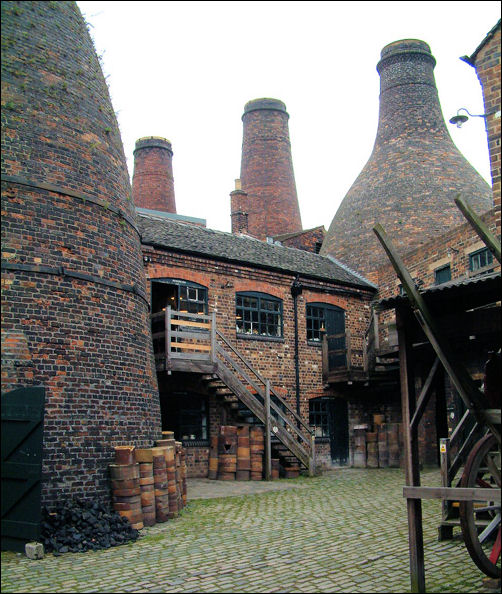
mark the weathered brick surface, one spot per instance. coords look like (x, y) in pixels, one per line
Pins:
(267, 174)
(273, 358)
(153, 181)
(75, 317)
(486, 61)
(414, 172)
(309, 240)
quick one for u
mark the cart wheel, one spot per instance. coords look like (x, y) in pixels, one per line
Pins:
(480, 521)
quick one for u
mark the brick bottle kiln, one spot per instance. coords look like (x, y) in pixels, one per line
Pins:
(75, 314)
(267, 191)
(153, 181)
(414, 172)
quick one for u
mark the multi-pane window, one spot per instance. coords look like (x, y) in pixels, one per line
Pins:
(258, 314)
(187, 414)
(193, 299)
(480, 259)
(316, 322)
(318, 417)
(442, 275)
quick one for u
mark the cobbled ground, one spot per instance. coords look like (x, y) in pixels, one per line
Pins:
(345, 531)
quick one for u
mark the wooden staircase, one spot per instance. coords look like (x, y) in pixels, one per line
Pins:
(191, 343)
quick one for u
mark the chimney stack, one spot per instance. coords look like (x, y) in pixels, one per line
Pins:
(267, 170)
(153, 182)
(238, 214)
(414, 172)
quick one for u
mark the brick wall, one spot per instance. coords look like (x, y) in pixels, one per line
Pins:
(309, 240)
(487, 65)
(74, 307)
(273, 358)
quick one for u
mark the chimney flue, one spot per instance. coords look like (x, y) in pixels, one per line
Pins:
(267, 174)
(153, 182)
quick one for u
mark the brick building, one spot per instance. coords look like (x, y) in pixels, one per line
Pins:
(250, 286)
(86, 277)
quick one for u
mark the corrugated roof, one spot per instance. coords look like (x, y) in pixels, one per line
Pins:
(243, 250)
(448, 289)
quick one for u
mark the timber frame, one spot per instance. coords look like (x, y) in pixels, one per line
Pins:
(436, 319)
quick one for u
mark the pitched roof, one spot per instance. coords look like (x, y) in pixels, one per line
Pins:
(164, 233)
(472, 58)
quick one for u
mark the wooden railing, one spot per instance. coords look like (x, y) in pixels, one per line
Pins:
(187, 341)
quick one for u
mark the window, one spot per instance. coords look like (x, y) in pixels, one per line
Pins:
(322, 317)
(442, 275)
(316, 322)
(318, 417)
(193, 299)
(258, 314)
(480, 259)
(185, 413)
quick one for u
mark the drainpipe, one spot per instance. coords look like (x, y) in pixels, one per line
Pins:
(296, 290)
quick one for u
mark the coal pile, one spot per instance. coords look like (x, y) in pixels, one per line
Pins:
(78, 526)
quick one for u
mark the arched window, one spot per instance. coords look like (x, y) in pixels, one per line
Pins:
(258, 314)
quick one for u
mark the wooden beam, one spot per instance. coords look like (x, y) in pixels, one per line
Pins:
(452, 493)
(425, 395)
(268, 450)
(467, 389)
(480, 227)
(412, 467)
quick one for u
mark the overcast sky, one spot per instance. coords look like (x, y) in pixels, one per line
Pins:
(184, 70)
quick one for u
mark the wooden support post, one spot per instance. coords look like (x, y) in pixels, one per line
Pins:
(168, 336)
(268, 447)
(445, 532)
(213, 337)
(412, 468)
(312, 461)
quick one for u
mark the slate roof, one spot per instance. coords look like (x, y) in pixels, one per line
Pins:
(191, 239)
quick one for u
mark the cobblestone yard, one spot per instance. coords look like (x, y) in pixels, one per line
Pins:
(343, 532)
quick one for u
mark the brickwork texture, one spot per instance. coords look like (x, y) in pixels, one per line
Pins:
(75, 315)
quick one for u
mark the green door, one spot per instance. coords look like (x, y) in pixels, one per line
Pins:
(22, 435)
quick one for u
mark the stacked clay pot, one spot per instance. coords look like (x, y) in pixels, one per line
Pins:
(144, 457)
(257, 448)
(126, 491)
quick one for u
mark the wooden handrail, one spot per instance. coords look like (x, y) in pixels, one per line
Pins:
(263, 381)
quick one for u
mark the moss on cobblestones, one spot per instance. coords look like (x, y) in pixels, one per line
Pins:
(343, 532)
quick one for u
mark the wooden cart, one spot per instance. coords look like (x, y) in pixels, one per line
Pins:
(420, 314)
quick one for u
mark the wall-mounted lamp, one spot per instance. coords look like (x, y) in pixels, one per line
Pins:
(460, 119)
(147, 259)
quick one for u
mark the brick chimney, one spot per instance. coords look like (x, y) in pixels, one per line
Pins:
(153, 182)
(238, 214)
(267, 170)
(414, 172)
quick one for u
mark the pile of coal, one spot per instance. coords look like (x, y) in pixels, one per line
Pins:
(77, 526)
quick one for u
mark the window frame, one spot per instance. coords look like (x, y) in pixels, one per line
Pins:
(324, 307)
(484, 268)
(439, 270)
(254, 316)
(322, 430)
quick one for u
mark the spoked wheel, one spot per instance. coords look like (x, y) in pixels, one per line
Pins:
(480, 521)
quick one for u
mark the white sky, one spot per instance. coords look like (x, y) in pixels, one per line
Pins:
(184, 70)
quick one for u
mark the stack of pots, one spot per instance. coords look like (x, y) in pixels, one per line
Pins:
(243, 454)
(257, 448)
(393, 444)
(126, 491)
(144, 457)
(372, 449)
(360, 447)
(161, 484)
(213, 458)
(227, 453)
(179, 475)
(168, 444)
